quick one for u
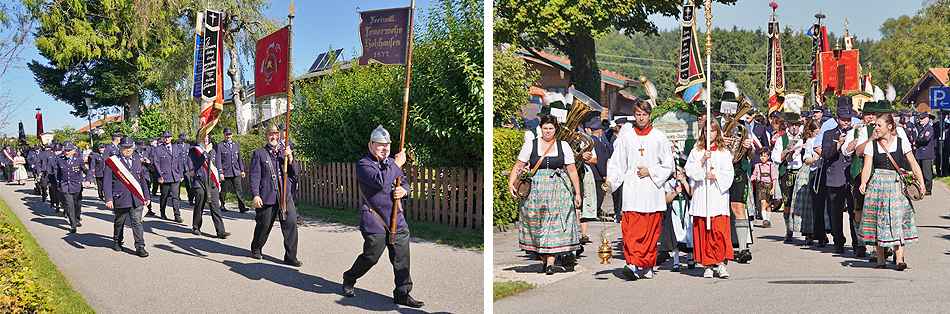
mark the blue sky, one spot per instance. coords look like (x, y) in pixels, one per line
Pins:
(317, 25)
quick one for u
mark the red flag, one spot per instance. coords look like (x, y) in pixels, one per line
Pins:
(272, 62)
(838, 75)
(39, 125)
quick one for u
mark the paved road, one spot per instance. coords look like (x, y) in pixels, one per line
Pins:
(593, 287)
(202, 274)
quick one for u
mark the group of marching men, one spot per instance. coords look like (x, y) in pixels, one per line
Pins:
(125, 171)
(705, 204)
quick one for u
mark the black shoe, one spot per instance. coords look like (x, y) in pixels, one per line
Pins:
(243, 210)
(839, 249)
(348, 290)
(881, 266)
(141, 252)
(164, 217)
(585, 240)
(873, 258)
(79, 218)
(861, 253)
(78, 224)
(56, 209)
(901, 266)
(293, 263)
(195, 232)
(224, 235)
(809, 240)
(410, 302)
(256, 256)
(676, 268)
(744, 256)
(150, 213)
(117, 247)
(549, 269)
(73, 230)
(690, 264)
(788, 238)
(662, 257)
(178, 219)
(223, 210)
(569, 260)
(821, 243)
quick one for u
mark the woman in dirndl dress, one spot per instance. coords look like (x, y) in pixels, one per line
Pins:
(888, 218)
(19, 174)
(802, 214)
(548, 220)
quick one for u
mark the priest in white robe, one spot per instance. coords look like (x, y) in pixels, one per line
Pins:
(713, 172)
(642, 162)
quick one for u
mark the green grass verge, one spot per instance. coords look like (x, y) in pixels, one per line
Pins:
(457, 237)
(64, 298)
(943, 179)
(506, 289)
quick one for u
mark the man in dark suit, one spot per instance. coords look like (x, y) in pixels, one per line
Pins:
(229, 155)
(377, 174)
(206, 184)
(598, 164)
(925, 144)
(6, 160)
(72, 176)
(127, 200)
(96, 165)
(153, 143)
(52, 159)
(267, 185)
(33, 161)
(112, 149)
(835, 169)
(40, 172)
(168, 165)
(145, 157)
(183, 148)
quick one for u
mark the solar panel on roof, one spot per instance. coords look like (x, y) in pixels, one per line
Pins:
(325, 60)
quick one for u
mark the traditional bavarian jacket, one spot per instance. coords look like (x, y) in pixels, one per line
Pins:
(377, 181)
(117, 192)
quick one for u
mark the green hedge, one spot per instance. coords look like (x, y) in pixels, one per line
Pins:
(506, 145)
(20, 291)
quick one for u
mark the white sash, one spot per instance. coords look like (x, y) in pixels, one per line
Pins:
(122, 172)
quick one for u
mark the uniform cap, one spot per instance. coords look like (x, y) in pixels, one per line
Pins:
(69, 146)
(116, 134)
(57, 147)
(380, 135)
(126, 142)
(153, 139)
(282, 127)
(140, 143)
(102, 145)
(621, 120)
(593, 124)
(228, 130)
(167, 133)
(183, 136)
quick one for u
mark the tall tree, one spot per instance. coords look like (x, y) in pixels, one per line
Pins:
(571, 26)
(910, 45)
(15, 27)
(103, 49)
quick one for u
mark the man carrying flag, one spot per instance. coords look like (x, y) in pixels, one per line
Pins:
(126, 194)
(206, 186)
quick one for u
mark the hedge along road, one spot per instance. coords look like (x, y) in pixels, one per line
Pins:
(185, 273)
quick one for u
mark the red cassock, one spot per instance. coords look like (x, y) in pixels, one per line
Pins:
(712, 246)
(641, 231)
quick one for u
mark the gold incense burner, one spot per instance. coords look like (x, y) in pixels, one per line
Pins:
(604, 251)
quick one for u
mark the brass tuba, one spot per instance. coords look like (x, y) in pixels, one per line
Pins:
(582, 109)
(737, 131)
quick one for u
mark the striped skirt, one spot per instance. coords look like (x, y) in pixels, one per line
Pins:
(888, 219)
(802, 216)
(548, 222)
(589, 202)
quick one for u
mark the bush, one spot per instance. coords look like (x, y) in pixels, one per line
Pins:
(507, 143)
(19, 290)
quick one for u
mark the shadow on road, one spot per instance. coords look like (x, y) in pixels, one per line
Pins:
(82, 240)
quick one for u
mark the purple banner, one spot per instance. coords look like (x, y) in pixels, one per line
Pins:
(383, 35)
(196, 89)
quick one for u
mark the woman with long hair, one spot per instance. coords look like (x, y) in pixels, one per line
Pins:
(548, 221)
(711, 170)
(888, 219)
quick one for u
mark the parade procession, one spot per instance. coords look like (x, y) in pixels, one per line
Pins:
(236, 114)
(735, 186)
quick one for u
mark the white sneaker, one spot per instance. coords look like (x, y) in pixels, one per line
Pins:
(648, 274)
(708, 273)
(722, 272)
(630, 272)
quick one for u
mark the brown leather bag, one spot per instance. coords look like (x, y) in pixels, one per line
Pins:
(911, 190)
(524, 186)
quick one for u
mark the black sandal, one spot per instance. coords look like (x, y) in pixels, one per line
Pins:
(881, 266)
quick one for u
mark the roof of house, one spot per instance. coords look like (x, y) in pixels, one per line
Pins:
(97, 123)
(606, 75)
(938, 74)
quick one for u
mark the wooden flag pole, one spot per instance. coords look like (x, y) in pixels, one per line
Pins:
(290, 36)
(405, 112)
(708, 98)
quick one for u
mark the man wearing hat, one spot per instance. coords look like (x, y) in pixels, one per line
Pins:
(834, 182)
(32, 161)
(229, 155)
(787, 152)
(127, 194)
(267, 183)
(596, 162)
(169, 172)
(112, 149)
(39, 171)
(925, 144)
(72, 176)
(377, 174)
(96, 165)
(183, 148)
(144, 155)
(6, 161)
(207, 181)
